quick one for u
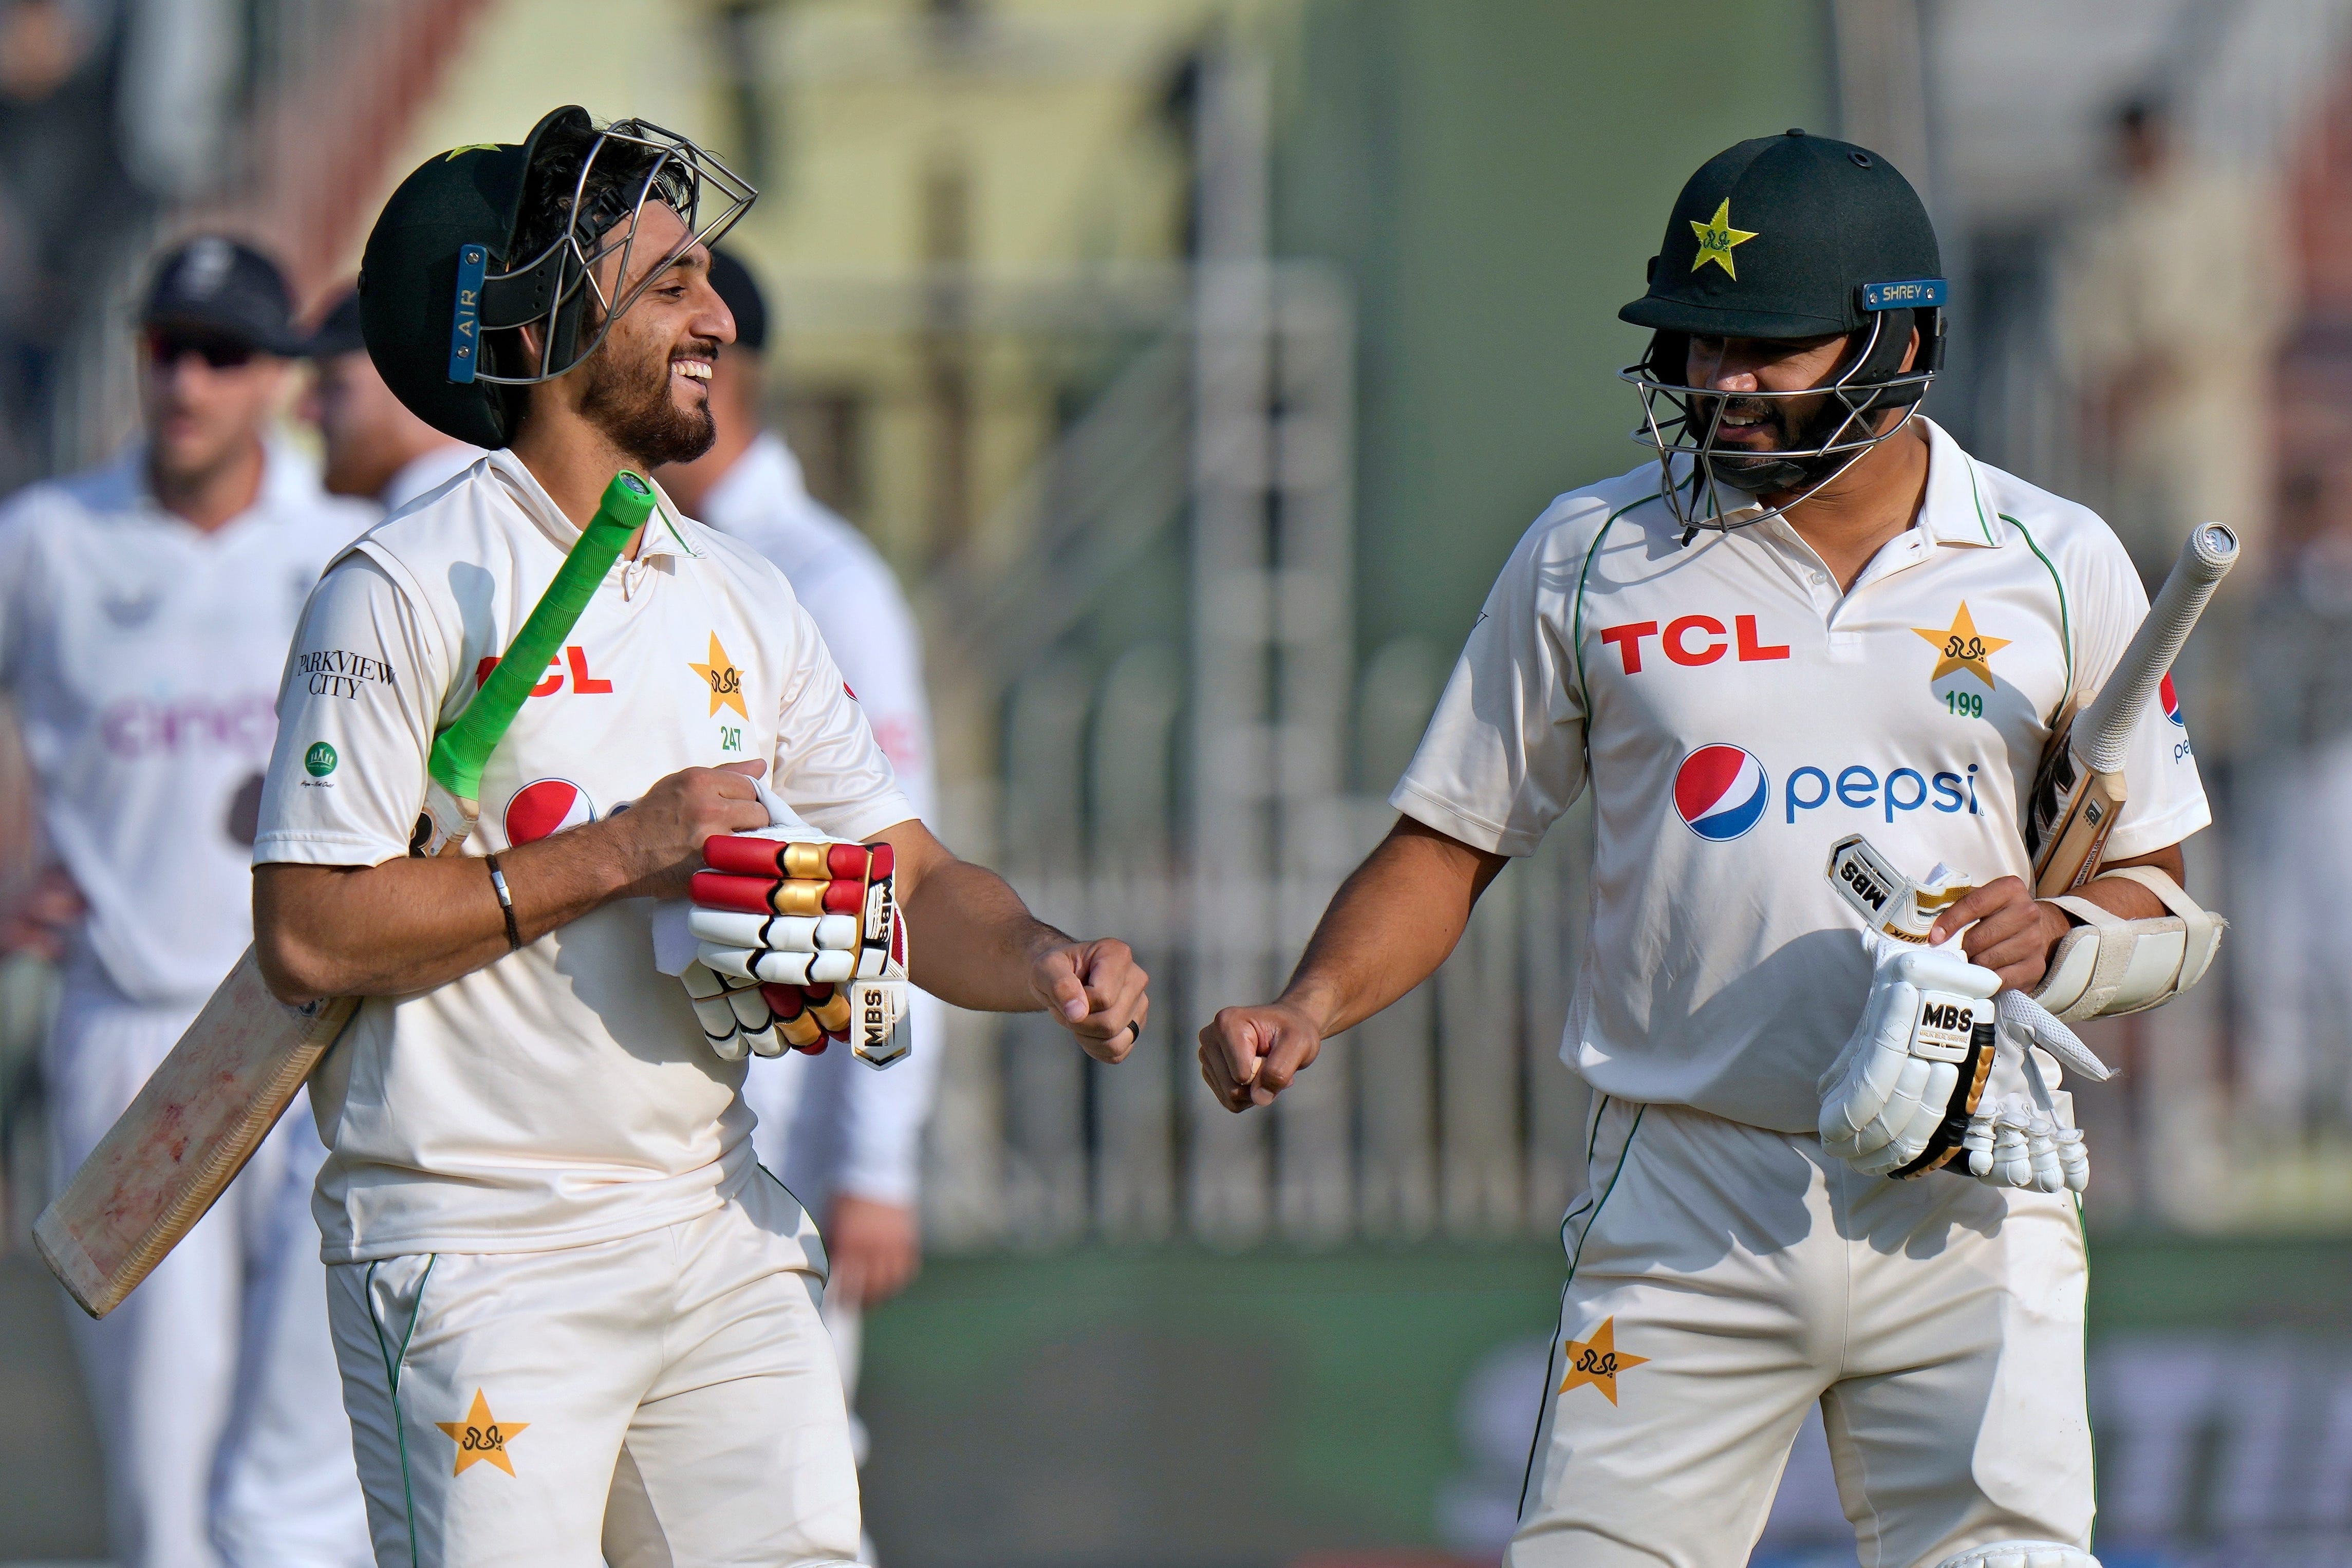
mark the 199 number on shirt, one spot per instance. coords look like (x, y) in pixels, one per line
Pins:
(1966, 704)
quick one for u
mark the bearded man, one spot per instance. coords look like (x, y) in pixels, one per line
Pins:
(575, 1318)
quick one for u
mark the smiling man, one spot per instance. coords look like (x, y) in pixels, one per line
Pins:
(575, 1318)
(1812, 616)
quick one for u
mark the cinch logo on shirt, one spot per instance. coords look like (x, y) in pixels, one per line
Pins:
(1691, 640)
(576, 656)
(136, 727)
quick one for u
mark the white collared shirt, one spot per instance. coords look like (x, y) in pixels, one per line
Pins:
(1736, 714)
(564, 1094)
(826, 1123)
(143, 656)
(427, 471)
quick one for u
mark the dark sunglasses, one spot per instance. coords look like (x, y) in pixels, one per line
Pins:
(169, 346)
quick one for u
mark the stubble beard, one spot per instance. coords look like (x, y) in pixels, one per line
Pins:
(625, 394)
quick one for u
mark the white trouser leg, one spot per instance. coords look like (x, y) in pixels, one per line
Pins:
(285, 1491)
(1723, 1277)
(160, 1367)
(668, 1398)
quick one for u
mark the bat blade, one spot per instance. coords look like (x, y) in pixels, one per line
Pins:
(191, 1128)
(206, 1108)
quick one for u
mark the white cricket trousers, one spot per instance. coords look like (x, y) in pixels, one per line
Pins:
(1723, 1278)
(668, 1400)
(214, 1384)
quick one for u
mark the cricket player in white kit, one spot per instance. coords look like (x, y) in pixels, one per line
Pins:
(847, 1142)
(375, 448)
(1815, 616)
(145, 608)
(574, 1315)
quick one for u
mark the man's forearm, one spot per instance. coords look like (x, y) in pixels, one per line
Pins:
(971, 940)
(1390, 926)
(410, 924)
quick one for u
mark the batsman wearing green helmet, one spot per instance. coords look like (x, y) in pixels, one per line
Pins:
(1807, 656)
(569, 792)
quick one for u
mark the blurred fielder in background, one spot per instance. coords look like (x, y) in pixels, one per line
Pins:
(145, 609)
(1813, 617)
(847, 1140)
(375, 448)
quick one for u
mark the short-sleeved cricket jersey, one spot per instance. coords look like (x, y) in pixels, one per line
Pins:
(142, 653)
(563, 1095)
(1736, 714)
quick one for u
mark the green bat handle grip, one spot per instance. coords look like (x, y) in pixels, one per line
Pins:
(459, 750)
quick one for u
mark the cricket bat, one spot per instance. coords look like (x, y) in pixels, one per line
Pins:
(2081, 787)
(224, 1086)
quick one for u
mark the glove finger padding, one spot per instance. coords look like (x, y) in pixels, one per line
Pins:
(813, 926)
(1899, 1098)
(736, 1018)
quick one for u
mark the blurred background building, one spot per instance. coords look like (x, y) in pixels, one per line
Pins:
(1199, 362)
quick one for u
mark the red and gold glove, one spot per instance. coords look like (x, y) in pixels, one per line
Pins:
(799, 944)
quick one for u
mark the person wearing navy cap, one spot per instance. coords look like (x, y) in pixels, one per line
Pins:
(848, 1142)
(375, 448)
(145, 609)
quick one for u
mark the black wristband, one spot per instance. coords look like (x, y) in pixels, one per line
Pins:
(506, 901)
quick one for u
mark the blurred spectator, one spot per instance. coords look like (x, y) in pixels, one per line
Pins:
(375, 448)
(145, 609)
(2170, 305)
(2297, 1047)
(846, 1139)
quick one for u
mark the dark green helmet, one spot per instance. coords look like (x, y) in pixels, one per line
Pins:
(1789, 237)
(486, 239)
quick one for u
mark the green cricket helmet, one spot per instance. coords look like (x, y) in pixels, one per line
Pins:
(1786, 237)
(486, 239)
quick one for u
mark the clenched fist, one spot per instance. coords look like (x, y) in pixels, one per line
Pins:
(1249, 1055)
(1096, 990)
(660, 836)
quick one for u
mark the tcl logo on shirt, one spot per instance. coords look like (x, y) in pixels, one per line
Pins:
(1692, 640)
(575, 657)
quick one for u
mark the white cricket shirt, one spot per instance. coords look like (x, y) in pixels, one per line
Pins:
(143, 655)
(564, 1094)
(829, 1123)
(1735, 715)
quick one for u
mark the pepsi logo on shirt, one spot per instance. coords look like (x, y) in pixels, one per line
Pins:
(1721, 792)
(545, 806)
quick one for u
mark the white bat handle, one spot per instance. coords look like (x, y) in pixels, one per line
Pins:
(2105, 729)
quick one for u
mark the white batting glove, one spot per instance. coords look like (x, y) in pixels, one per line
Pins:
(2030, 1141)
(1915, 1065)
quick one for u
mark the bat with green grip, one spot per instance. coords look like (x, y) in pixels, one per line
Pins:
(455, 771)
(211, 1101)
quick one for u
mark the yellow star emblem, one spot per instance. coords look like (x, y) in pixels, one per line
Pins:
(482, 1438)
(725, 680)
(456, 153)
(1598, 1361)
(1962, 647)
(1716, 236)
